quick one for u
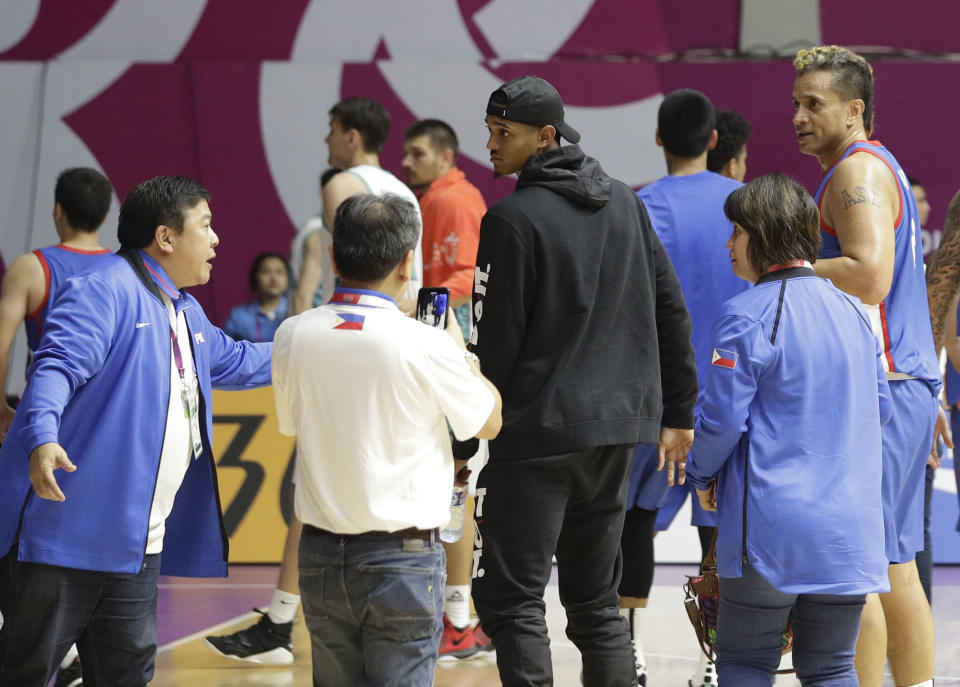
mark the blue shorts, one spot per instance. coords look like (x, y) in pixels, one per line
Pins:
(907, 439)
(672, 504)
(648, 487)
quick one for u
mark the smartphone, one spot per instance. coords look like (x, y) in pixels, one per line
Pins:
(432, 305)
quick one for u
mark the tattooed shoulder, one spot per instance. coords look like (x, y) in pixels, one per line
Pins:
(859, 195)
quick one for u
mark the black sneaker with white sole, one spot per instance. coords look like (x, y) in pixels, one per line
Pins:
(266, 642)
(71, 676)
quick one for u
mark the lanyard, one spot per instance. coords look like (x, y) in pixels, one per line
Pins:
(177, 355)
(365, 298)
(787, 265)
(188, 388)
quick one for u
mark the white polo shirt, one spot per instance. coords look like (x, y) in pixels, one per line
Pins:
(368, 392)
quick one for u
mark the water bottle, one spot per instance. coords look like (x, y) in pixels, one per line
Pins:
(453, 530)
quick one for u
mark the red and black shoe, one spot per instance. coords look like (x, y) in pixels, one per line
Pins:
(484, 643)
(457, 643)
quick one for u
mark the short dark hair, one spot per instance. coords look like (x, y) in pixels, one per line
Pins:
(328, 174)
(913, 181)
(368, 117)
(259, 260)
(779, 216)
(372, 235)
(441, 134)
(852, 75)
(685, 122)
(161, 200)
(733, 132)
(84, 195)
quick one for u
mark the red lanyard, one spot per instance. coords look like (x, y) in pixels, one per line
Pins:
(787, 265)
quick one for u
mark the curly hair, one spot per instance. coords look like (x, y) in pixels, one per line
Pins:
(852, 75)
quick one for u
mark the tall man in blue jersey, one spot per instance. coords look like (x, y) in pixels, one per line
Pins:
(686, 211)
(872, 249)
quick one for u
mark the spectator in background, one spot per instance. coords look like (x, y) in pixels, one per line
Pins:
(368, 393)
(452, 208)
(729, 156)
(792, 351)
(920, 195)
(258, 320)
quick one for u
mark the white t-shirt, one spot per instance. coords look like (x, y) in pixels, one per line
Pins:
(380, 182)
(368, 392)
(177, 446)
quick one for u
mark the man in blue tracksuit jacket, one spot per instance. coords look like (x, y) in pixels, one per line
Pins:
(105, 408)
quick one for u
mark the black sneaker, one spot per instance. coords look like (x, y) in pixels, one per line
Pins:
(266, 642)
(71, 676)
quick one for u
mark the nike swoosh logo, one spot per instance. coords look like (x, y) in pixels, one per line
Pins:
(458, 642)
(287, 603)
(142, 324)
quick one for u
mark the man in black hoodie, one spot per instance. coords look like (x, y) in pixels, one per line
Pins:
(579, 318)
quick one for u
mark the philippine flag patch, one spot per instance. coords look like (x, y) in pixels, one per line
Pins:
(346, 320)
(722, 358)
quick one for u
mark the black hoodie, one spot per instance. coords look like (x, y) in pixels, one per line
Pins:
(579, 315)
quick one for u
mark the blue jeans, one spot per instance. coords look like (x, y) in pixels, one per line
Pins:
(753, 615)
(374, 607)
(112, 617)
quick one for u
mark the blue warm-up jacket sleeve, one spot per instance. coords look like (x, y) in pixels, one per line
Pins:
(740, 354)
(78, 335)
(237, 365)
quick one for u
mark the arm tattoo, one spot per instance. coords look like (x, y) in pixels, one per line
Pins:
(860, 194)
(943, 274)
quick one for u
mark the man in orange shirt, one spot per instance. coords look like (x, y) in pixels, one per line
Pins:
(452, 208)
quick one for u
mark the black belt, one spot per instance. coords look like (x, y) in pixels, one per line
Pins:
(409, 533)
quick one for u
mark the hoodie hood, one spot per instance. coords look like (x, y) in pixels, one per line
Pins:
(567, 171)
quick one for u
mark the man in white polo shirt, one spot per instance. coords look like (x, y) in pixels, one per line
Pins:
(369, 392)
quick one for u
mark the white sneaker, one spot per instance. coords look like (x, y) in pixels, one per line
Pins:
(641, 668)
(707, 679)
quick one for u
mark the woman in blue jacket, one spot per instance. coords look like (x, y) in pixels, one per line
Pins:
(787, 449)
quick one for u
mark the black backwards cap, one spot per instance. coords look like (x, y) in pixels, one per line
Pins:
(531, 100)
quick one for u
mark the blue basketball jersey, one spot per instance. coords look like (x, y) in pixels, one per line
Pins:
(59, 264)
(901, 321)
(687, 214)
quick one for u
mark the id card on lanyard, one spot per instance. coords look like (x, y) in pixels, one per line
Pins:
(189, 391)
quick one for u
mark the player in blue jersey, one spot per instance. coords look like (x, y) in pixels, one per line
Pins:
(872, 250)
(686, 211)
(81, 201)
